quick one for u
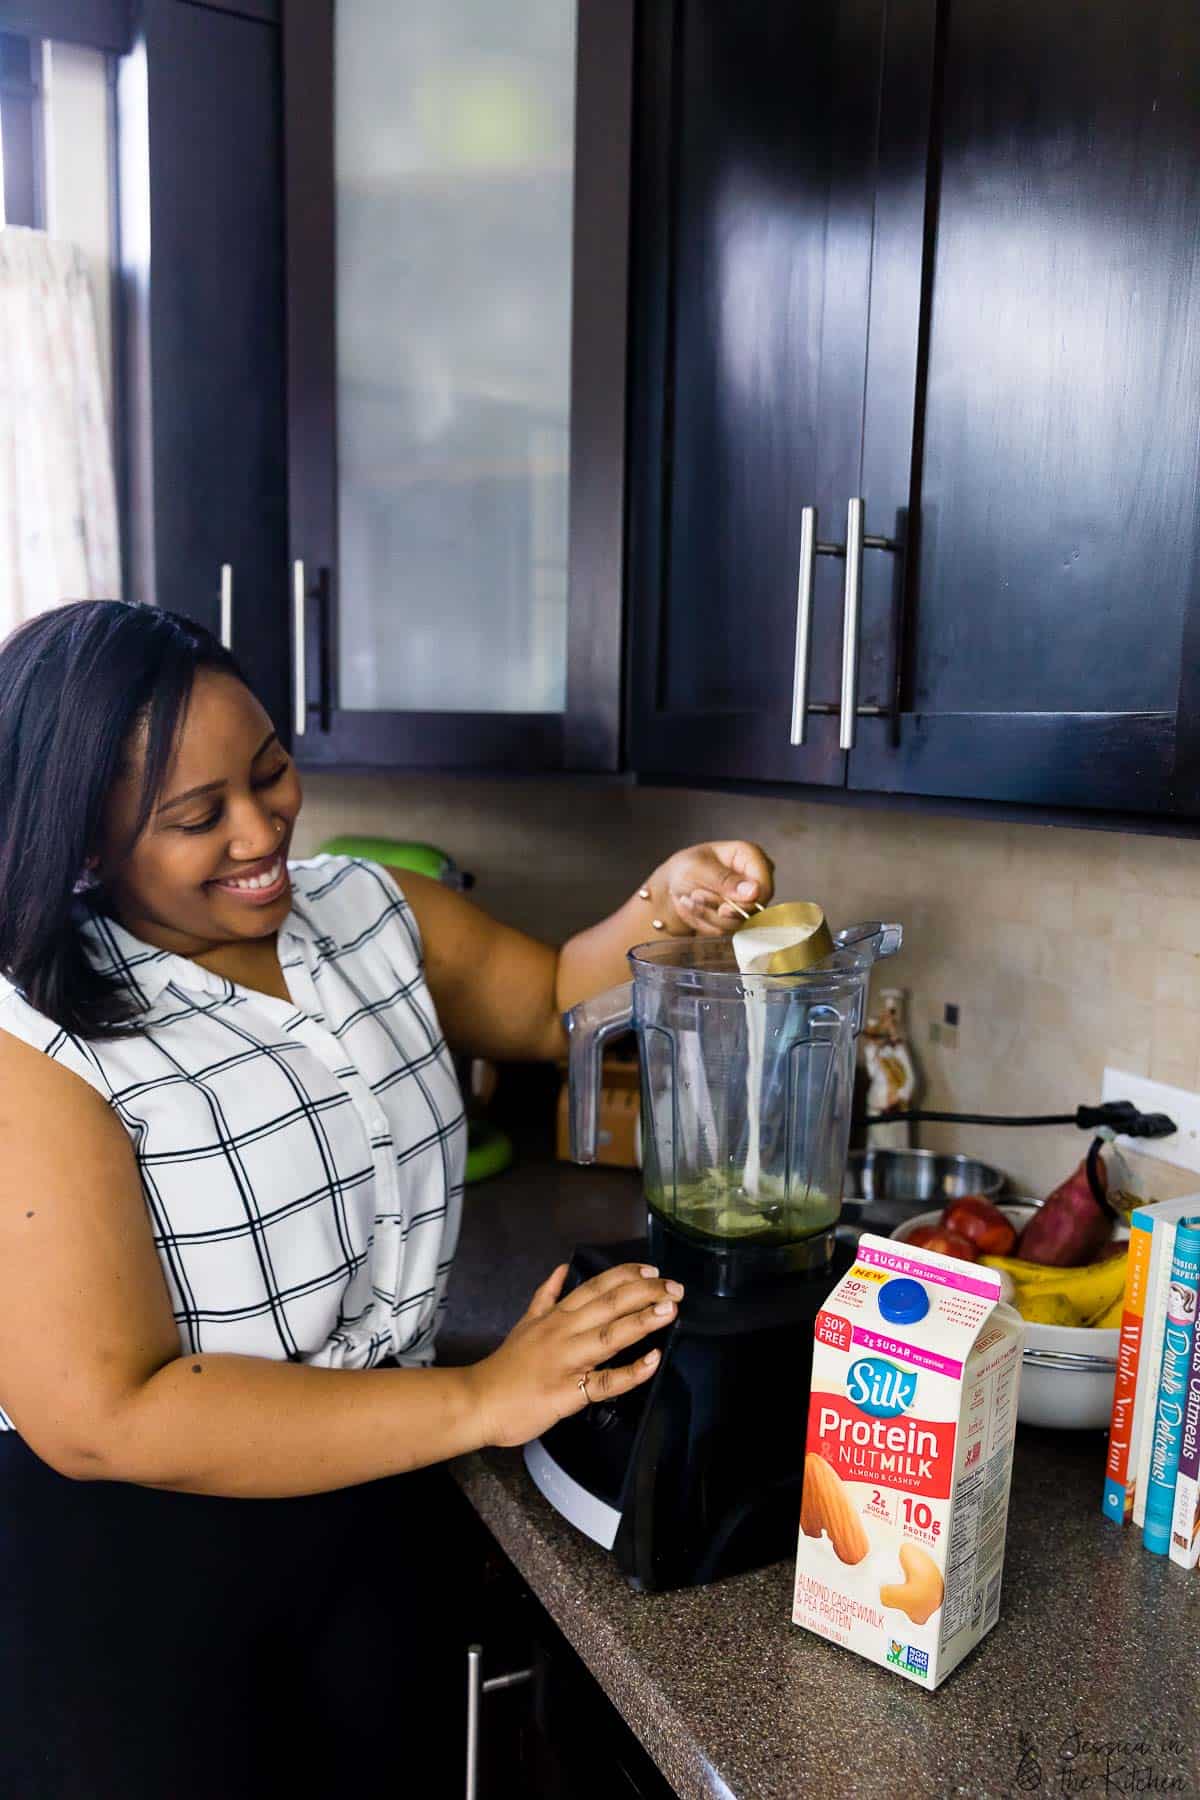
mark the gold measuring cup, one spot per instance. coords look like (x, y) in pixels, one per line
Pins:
(811, 945)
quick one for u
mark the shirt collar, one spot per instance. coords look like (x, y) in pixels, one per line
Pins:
(148, 970)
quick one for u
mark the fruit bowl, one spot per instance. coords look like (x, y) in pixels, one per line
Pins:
(1068, 1371)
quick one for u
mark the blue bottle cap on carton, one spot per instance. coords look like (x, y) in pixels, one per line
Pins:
(903, 1301)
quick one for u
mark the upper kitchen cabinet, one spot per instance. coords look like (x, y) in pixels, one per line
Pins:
(1005, 602)
(1045, 644)
(754, 200)
(457, 225)
(201, 168)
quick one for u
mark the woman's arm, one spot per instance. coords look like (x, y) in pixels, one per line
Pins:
(502, 994)
(90, 1367)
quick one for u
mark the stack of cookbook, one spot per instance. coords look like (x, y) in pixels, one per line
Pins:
(1153, 1471)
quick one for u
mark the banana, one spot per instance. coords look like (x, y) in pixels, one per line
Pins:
(1047, 1309)
(1028, 1273)
(1113, 1316)
(1090, 1291)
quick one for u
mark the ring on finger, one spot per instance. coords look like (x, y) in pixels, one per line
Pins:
(582, 1385)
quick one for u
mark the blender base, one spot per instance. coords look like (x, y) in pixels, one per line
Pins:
(696, 1475)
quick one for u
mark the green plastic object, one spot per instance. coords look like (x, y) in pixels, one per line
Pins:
(489, 1151)
(423, 859)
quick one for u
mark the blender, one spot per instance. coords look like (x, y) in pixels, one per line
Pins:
(747, 1080)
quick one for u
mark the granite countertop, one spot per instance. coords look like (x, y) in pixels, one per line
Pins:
(1086, 1685)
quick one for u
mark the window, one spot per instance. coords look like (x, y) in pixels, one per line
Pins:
(22, 152)
(59, 536)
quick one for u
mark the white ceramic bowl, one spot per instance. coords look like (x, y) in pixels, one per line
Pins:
(1068, 1371)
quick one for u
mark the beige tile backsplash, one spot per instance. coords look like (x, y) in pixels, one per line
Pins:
(1064, 950)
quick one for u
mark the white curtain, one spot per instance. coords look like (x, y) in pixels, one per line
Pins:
(58, 512)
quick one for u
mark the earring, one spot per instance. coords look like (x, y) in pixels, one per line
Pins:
(86, 880)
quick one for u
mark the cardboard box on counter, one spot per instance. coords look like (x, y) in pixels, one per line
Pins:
(617, 1135)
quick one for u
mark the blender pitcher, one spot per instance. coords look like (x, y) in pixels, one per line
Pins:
(746, 1090)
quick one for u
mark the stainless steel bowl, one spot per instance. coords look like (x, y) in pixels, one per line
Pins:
(885, 1187)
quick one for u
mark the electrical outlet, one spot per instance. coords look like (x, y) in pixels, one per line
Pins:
(1182, 1148)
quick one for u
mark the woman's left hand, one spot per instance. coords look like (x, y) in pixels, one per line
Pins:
(694, 890)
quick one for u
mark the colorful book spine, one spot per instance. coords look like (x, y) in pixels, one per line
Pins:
(1179, 1330)
(1185, 1526)
(1164, 1215)
(1117, 1502)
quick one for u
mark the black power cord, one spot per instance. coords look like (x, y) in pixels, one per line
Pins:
(1121, 1116)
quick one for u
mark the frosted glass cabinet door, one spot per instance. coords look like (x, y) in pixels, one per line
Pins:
(440, 451)
(454, 154)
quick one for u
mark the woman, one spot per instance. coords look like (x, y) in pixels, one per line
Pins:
(231, 1177)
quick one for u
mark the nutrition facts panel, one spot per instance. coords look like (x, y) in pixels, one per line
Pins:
(980, 1501)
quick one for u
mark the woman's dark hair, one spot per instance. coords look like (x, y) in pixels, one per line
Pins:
(74, 684)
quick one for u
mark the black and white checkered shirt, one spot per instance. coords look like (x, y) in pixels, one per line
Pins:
(302, 1162)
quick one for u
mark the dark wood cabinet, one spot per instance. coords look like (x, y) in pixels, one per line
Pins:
(202, 232)
(552, 1732)
(1016, 364)
(1052, 462)
(754, 201)
(937, 259)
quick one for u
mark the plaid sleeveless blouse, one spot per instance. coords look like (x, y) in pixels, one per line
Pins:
(302, 1162)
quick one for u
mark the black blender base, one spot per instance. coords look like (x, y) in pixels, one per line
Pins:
(702, 1468)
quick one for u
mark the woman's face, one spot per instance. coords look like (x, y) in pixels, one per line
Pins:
(211, 865)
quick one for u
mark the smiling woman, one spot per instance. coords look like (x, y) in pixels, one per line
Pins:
(231, 1147)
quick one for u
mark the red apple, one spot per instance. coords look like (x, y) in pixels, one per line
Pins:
(984, 1224)
(947, 1243)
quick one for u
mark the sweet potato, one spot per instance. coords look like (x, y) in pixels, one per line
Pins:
(1072, 1226)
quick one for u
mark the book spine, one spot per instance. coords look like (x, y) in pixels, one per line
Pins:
(1117, 1501)
(1167, 1433)
(1150, 1369)
(1185, 1525)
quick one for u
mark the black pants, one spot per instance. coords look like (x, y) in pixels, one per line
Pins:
(159, 1646)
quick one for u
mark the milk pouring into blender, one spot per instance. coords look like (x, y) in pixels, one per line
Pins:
(797, 938)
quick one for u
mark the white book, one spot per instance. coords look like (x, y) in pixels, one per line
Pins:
(1185, 1521)
(1165, 1214)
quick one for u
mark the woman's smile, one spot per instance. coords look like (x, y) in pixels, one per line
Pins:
(261, 884)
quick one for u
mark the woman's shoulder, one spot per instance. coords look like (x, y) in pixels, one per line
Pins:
(20, 1020)
(351, 901)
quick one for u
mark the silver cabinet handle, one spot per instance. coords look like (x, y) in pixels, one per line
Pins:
(853, 603)
(474, 1691)
(804, 594)
(476, 1688)
(227, 605)
(299, 665)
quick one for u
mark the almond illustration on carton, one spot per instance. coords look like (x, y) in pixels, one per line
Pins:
(825, 1506)
(920, 1593)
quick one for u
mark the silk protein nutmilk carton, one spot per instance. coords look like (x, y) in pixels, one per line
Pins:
(911, 1424)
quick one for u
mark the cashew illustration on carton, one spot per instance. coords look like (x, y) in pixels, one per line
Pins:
(920, 1593)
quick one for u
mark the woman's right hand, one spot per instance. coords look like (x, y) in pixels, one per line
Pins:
(533, 1379)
